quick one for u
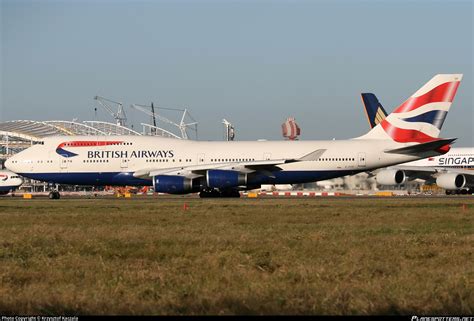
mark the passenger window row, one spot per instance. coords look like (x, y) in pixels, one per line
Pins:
(232, 159)
(95, 161)
(336, 159)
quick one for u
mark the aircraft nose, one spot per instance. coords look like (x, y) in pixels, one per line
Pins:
(8, 163)
(11, 164)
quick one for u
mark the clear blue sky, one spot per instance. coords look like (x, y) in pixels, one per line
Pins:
(252, 62)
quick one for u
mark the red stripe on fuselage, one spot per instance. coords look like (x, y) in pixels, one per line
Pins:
(401, 135)
(443, 93)
(88, 143)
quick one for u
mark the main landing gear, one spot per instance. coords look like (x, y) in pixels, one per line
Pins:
(54, 195)
(216, 193)
(460, 192)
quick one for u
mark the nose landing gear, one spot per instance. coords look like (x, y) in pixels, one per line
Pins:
(54, 195)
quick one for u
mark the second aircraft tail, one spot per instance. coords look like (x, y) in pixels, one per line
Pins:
(373, 109)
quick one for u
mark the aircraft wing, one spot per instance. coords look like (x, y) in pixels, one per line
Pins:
(265, 166)
(200, 170)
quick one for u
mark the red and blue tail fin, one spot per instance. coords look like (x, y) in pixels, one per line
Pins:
(420, 118)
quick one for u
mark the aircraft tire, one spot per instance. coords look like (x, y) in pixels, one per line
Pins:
(209, 194)
(230, 193)
(54, 195)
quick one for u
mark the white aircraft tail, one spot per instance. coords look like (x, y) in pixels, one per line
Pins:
(420, 118)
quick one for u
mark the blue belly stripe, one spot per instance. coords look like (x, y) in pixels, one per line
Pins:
(7, 188)
(127, 178)
(97, 179)
(297, 177)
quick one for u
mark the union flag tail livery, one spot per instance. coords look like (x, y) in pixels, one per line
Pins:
(420, 118)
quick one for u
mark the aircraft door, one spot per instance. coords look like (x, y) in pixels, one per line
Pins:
(201, 159)
(63, 164)
(123, 163)
(361, 159)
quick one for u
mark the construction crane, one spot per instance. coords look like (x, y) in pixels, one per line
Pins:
(229, 130)
(119, 115)
(182, 125)
(153, 127)
(153, 117)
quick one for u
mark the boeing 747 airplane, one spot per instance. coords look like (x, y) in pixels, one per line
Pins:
(451, 171)
(223, 168)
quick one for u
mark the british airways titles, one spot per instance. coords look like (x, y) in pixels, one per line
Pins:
(133, 154)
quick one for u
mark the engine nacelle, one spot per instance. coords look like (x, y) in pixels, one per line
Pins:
(451, 181)
(390, 177)
(217, 178)
(172, 184)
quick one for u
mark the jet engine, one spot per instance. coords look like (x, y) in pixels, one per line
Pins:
(172, 184)
(391, 177)
(451, 181)
(217, 178)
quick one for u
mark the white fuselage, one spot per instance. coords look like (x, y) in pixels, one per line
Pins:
(9, 181)
(461, 157)
(113, 160)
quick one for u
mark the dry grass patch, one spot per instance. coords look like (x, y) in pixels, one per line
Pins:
(304, 256)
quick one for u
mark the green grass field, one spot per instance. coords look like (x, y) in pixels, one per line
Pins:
(248, 256)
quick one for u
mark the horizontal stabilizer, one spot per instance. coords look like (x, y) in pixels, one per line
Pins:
(418, 149)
